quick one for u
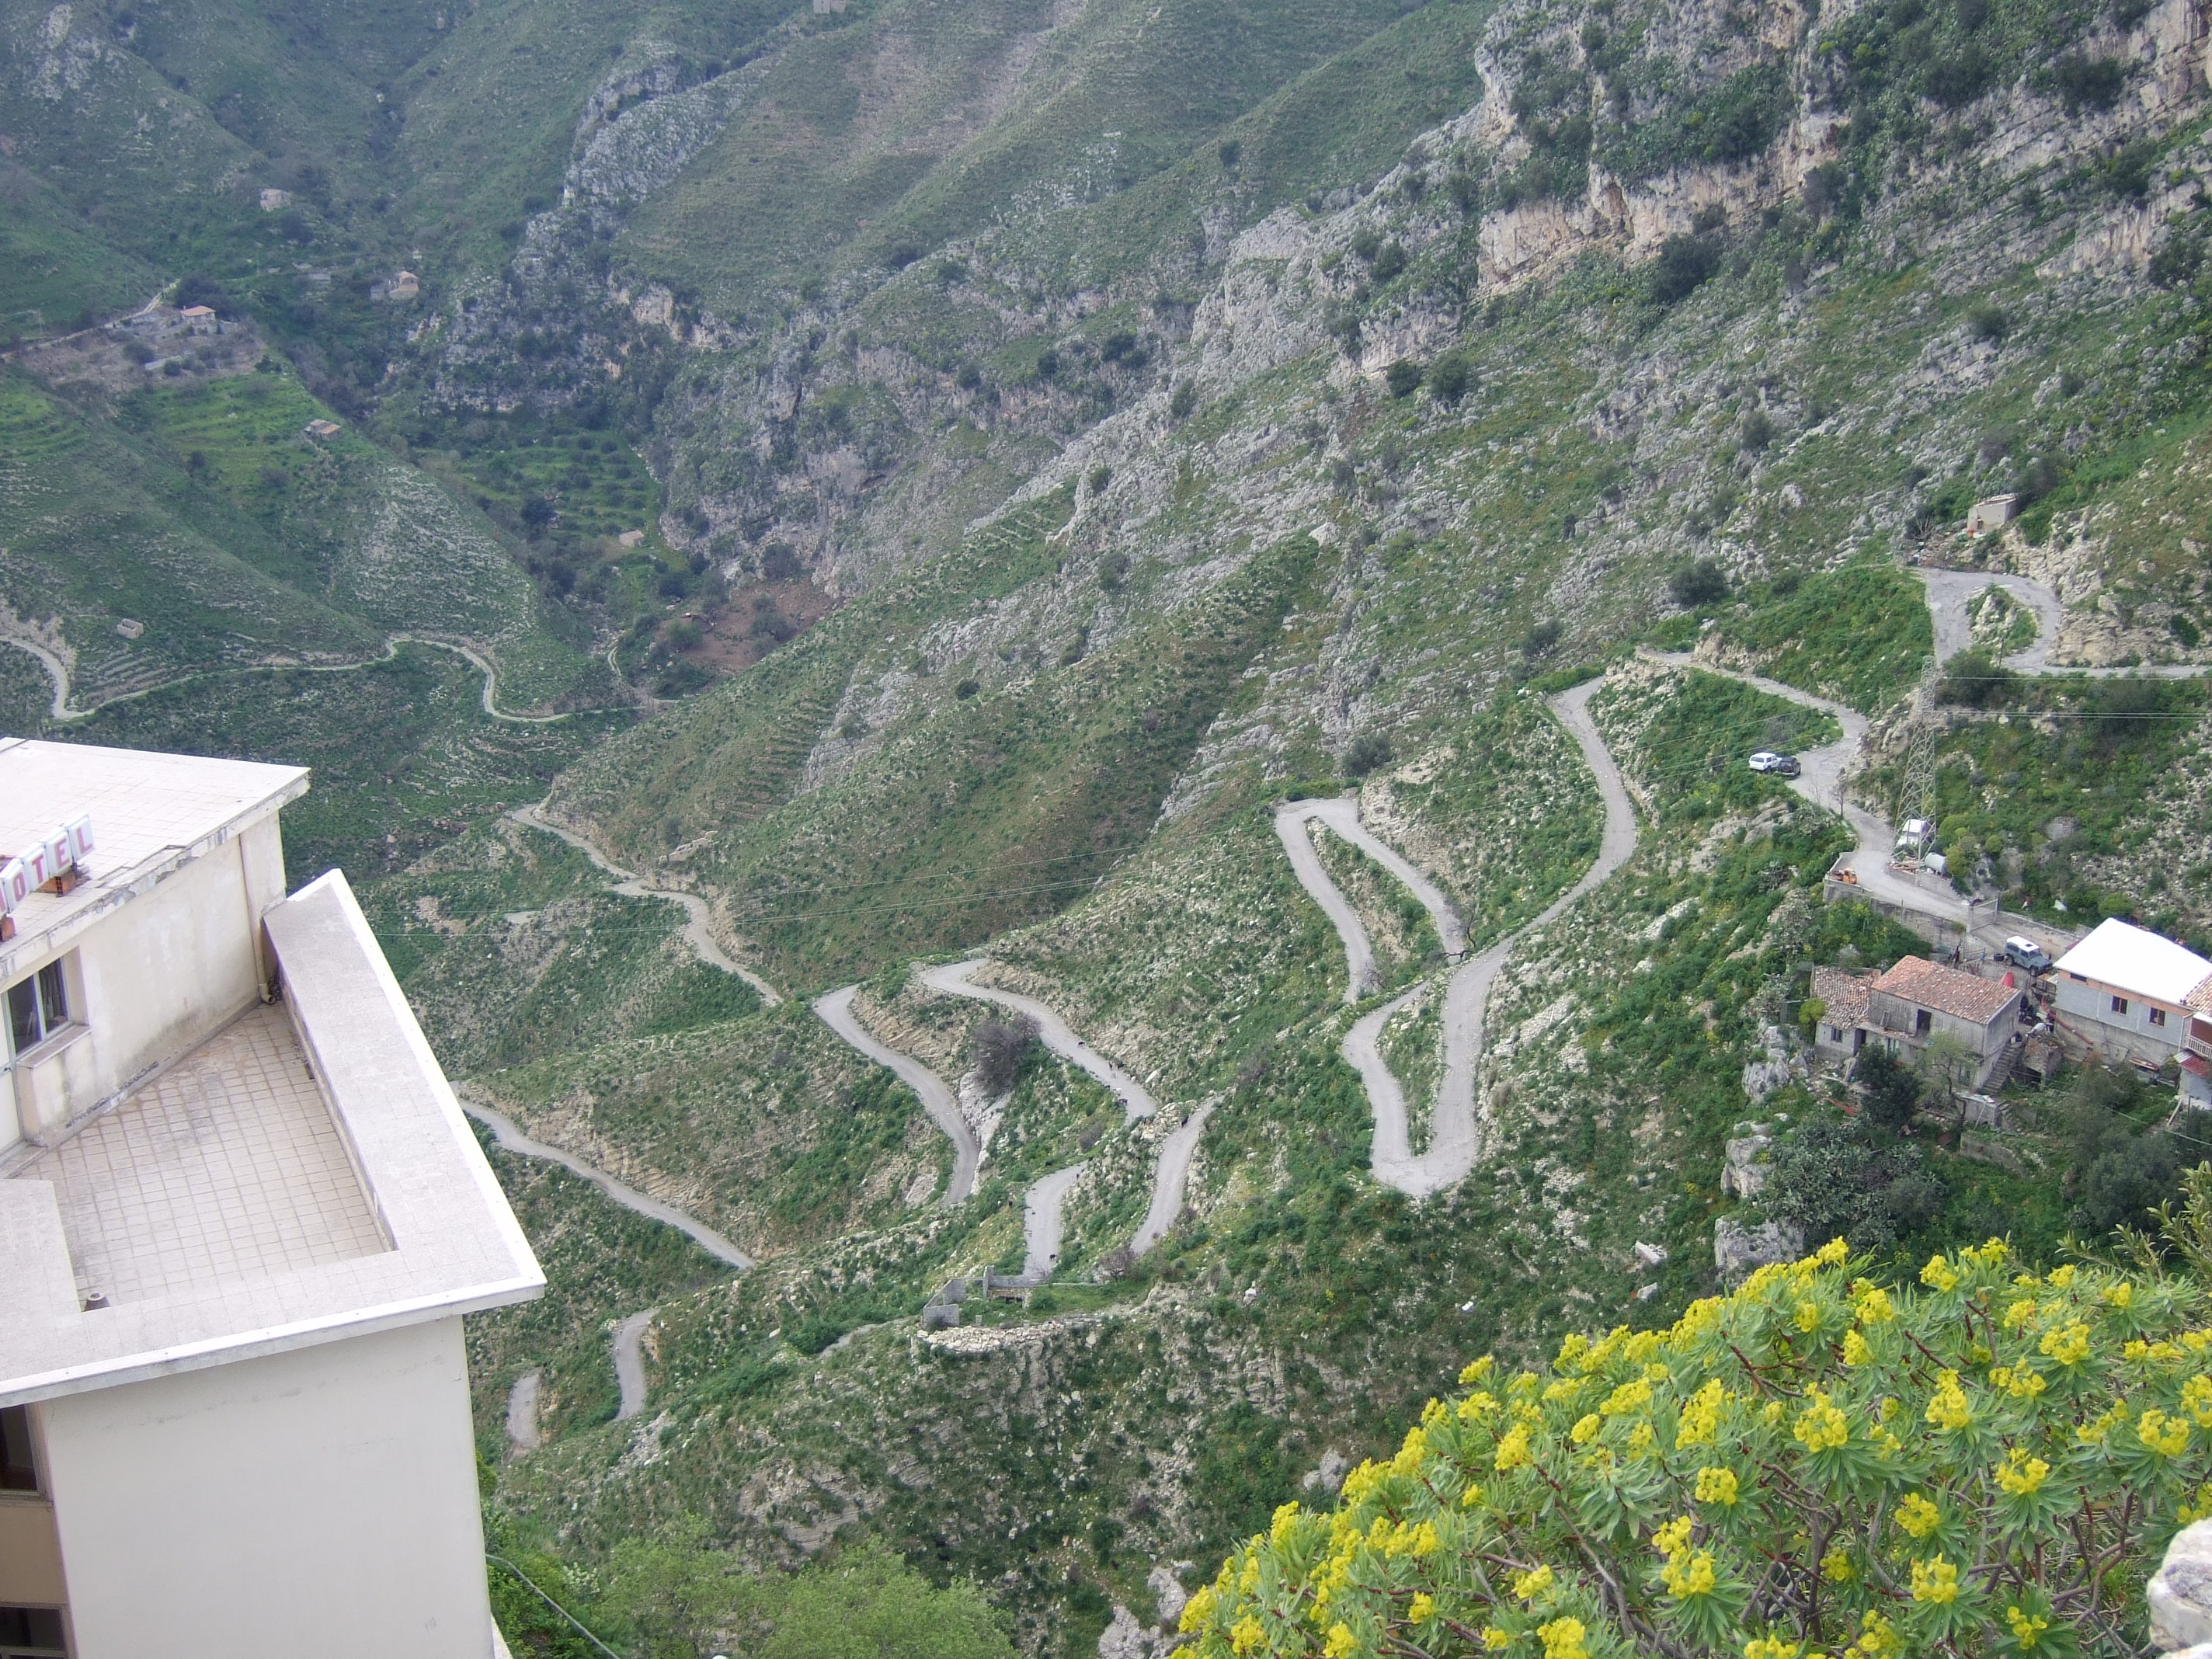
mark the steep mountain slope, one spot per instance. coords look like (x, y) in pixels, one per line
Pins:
(1500, 413)
(1168, 412)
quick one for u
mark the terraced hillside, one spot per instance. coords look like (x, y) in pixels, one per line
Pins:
(1258, 540)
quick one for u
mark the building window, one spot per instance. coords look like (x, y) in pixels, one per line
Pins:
(1920, 1022)
(31, 1633)
(18, 1471)
(2158, 1016)
(37, 1007)
(2119, 1005)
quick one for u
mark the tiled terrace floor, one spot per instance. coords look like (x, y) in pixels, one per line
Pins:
(228, 1166)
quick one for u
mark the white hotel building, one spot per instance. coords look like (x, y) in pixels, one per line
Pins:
(240, 1219)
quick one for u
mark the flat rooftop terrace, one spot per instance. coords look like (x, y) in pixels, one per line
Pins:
(303, 1175)
(228, 1166)
(150, 813)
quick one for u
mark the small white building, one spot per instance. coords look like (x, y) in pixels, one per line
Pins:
(2123, 993)
(240, 1219)
(1992, 514)
(274, 200)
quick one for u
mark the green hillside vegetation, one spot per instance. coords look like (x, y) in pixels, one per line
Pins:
(1060, 436)
(876, 119)
(1035, 786)
(52, 270)
(2047, 781)
(404, 755)
(206, 514)
(1859, 634)
(601, 1264)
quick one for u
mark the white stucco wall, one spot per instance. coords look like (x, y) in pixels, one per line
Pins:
(321, 1502)
(152, 978)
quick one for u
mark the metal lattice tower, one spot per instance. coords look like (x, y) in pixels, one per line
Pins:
(1916, 793)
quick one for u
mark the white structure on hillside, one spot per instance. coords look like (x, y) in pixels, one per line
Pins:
(2123, 993)
(1991, 514)
(240, 1219)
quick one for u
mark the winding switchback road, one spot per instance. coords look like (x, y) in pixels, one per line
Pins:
(1948, 593)
(1042, 1226)
(522, 1431)
(630, 1363)
(836, 1011)
(696, 931)
(1454, 1138)
(62, 713)
(1043, 1206)
(511, 1139)
(1341, 815)
(629, 1366)
(954, 981)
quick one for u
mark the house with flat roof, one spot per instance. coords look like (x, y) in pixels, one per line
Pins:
(241, 1218)
(1917, 1001)
(2123, 993)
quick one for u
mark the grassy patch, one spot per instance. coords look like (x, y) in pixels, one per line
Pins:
(404, 757)
(1858, 634)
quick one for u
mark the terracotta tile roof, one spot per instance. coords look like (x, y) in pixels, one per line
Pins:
(1946, 990)
(2200, 1000)
(1844, 991)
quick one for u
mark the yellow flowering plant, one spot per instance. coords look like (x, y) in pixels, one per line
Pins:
(1980, 1461)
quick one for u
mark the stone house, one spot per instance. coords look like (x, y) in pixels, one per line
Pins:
(198, 320)
(1992, 514)
(1843, 992)
(2124, 993)
(1919, 1000)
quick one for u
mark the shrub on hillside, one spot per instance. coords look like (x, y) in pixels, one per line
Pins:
(2086, 83)
(1369, 750)
(1402, 377)
(1000, 1046)
(1449, 378)
(1542, 638)
(1697, 584)
(1683, 264)
(1987, 1463)
(1973, 680)
(1839, 1178)
(1892, 1089)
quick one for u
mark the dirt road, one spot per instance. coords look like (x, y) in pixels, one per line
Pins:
(836, 1011)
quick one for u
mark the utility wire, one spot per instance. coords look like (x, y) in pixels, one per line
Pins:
(551, 1603)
